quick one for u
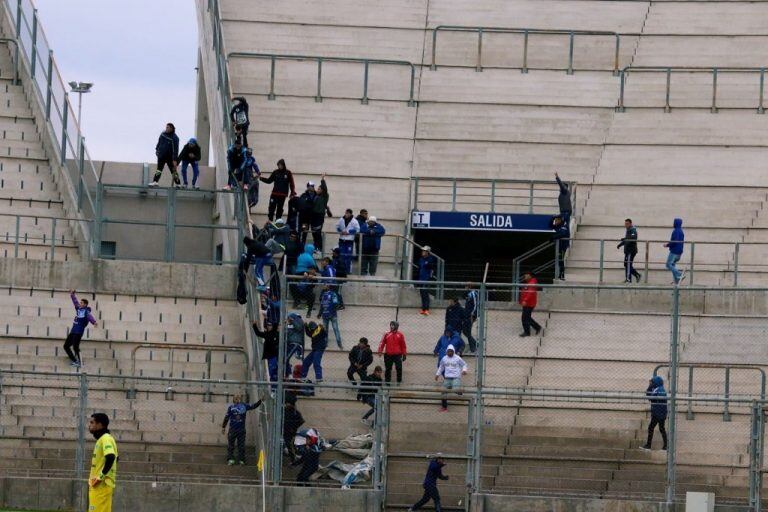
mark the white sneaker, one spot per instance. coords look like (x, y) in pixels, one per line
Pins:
(152, 184)
(227, 188)
(683, 276)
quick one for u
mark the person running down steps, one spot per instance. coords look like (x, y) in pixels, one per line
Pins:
(83, 317)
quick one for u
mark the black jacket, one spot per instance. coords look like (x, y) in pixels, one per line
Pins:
(253, 249)
(369, 386)
(292, 420)
(319, 337)
(239, 113)
(564, 198)
(271, 342)
(283, 182)
(167, 146)
(629, 242)
(361, 356)
(562, 235)
(186, 150)
(454, 317)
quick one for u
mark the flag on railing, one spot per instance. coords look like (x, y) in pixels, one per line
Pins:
(260, 464)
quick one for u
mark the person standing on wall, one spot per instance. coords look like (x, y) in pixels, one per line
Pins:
(393, 348)
(167, 151)
(101, 480)
(190, 155)
(562, 237)
(427, 267)
(629, 243)
(434, 473)
(238, 114)
(564, 199)
(675, 246)
(235, 416)
(283, 185)
(657, 395)
(528, 300)
(83, 317)
(348, 228)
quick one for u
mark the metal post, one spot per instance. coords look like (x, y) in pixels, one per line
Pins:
(689, 414)
(18, 20)
(693, 259)
(49, 80)
(98, 220)
(622, 80)
(714, 91)
(33, 62)
(16, 239)
(493, 195)
(277, 434)
(453, 195)
(570, 54)
(479, 66)
(616, 56)
(433, 67)
(557, 259)
(271, 95)
(64, 129)
(377, 418)
(673, 372)
(756, 448)
(760, 109)
(53, 238)
(81, 173)
(359, 255)
(364, 99)
(525, 53)
(170, 223)
(667, 108)
(471, 411)
(319, 96)
(80, 447)
(530, 198)
(411, 101)
(736, 265)
(602, 261)
(726, 412)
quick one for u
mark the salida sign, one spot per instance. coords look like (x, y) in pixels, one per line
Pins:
(480, 221)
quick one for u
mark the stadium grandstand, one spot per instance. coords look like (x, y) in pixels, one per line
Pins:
(474, 256)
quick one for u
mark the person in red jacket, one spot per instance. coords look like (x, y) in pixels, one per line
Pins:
(528, 298)
(393, 347)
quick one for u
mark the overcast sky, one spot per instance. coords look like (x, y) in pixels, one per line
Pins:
(141, 56)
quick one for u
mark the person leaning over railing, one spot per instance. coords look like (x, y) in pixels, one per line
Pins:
(190, 155)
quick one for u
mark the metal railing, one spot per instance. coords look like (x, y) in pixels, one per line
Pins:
(508, 196)
(713, 71)
(727, 368)
(526, 33)
(63, 128)
(51, 237)
(273, 58)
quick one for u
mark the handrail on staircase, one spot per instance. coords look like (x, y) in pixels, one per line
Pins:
(274, 57)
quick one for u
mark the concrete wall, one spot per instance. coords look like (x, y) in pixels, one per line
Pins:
(56, 494)
(503, 503)
(129, 277)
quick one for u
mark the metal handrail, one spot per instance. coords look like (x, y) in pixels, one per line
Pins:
(714, 71)
(455, 183)
(15, 43)
(273, 57)
(176, 346)
(727, 391)
(526, 33)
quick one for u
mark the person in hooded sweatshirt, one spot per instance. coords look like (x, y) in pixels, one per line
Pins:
(348, 228)
(454, 316)
(235, 417)
(675, 246)
(238, 114)
(319, 338)
(270, 335)
(360, 358)
(190, 155)
(657, 395)
(167, 151)
(294, 338)
(306, 260)
(434, 473)
(564, 199)
(282, 180)
(394, 350)
(451, 368)
(449, 338)
(83, 317)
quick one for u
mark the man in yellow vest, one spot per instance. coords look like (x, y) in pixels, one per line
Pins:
(101, 483)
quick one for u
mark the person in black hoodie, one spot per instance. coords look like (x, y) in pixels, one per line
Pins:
(167, 151)
(564, 199)
(454, 316)
(368, 388)
(306, 205)
(434, 473)
(190, 155)
(629, 243)
(282, 180)
(240, 120)
(270, 335)
(292, 421)
(360, 358)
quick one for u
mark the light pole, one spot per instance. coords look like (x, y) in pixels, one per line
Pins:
(80, 88)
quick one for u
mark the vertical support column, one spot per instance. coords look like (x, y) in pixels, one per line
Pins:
(272, 78)
(33, 61)
(714, 91)
(530, 198)
(49, 92)
(319, 96)
(616, 56)
(602, 261)
(667, 107)
(570, 53)
(756, 448)
(170, 223)
(693, 261)
(647, 258)
(81, 173)
(16, 238)
(377, 444)
(557, 259)
(493, 195)
(479, 66)
(524, 69)
(80, 474)
(673, 374)
(453, 194)
(622, 82)
(411, 100)
(277, 434)
(364, 99)
(736, 264)
(471, 425)
(98, 220)
(760, 108)
(64, 129)
(433, 67)
(727, 394)
(53, 238)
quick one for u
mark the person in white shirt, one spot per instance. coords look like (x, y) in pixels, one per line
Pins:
(348, 228)
(451, 368)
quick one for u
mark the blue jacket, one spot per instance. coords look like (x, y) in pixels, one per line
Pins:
(658, 405)
(329, 301)
(372, 237)
(236, 159)
(330, 273)
(427, 267)
(470, 305)
(236, 415)
(563, 234)
(434, 473)
(454, 318)
(272, 313)
(306, 261)
(676, 240)
(444, 341)
(167, 146)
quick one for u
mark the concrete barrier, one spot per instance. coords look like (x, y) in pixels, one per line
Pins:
(504, 503)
